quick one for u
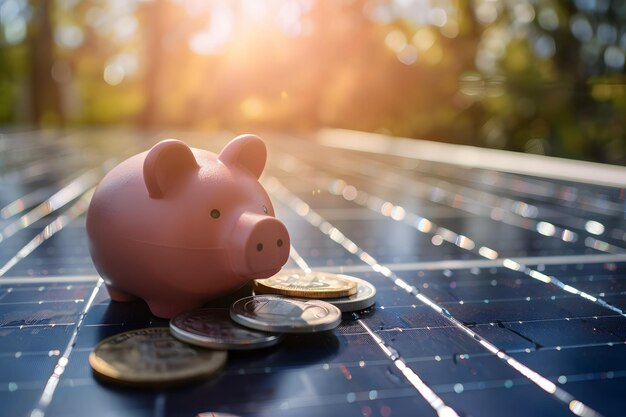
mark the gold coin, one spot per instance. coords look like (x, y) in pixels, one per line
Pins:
(152, 357)
(296, 283)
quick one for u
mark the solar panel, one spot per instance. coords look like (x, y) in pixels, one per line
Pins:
(500, 292)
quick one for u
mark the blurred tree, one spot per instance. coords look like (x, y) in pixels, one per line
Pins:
(537, 76)
(44, 92)
(153, 45)
(547, 59)
(13, 62)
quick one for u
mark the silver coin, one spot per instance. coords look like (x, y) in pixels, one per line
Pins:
(213, 328)
(285, 315)
(364, 298)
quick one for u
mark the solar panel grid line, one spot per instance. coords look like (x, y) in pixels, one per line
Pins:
(425, 391)
(12, 280)
(282, 194)
(439, 387)
(26, 201)
(528, 184)
(496, 181)
(457, 201)
(603, 246)
(559, 348)
(27, 353)
(66, 188)
(360, 213)
(77, 209)
(426, 226)
(510, 299)
(438, 196)
(535, 189)
(53, 381)
(512, 264)
(378, 205)
(78, 300)
(484, 324)
(569, 194)
(494, 384)
(393, 355)
(585, 203)
(30, 326)
(511, 209)
(468, 244)
(484, 263)
(66, 194)
(515, 207)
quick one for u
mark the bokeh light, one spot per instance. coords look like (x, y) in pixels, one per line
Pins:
(544, 77)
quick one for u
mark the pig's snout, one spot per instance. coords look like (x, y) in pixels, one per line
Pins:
(261, 245)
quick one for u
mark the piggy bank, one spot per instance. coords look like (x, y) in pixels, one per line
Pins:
(177, 226)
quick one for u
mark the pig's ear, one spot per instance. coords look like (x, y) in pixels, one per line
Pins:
(247, 152)
(165, 165)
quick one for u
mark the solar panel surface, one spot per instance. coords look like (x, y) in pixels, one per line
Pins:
(498, 293)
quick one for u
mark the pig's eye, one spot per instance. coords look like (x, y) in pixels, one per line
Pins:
(215, 213)
(265, 209)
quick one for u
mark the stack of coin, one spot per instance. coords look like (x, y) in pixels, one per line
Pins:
(345, 292)
(161, 356)
(195, 345)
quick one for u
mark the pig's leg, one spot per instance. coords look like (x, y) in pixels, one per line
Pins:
(119, 295)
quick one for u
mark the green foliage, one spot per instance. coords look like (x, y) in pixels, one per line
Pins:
(535, 76)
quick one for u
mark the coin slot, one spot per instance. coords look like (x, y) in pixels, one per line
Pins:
(259, 247)
(265, 209)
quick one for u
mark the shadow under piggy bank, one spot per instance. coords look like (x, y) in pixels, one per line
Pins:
(132, 314)
(136, 314)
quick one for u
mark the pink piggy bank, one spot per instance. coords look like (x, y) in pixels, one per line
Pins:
(177, 226)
